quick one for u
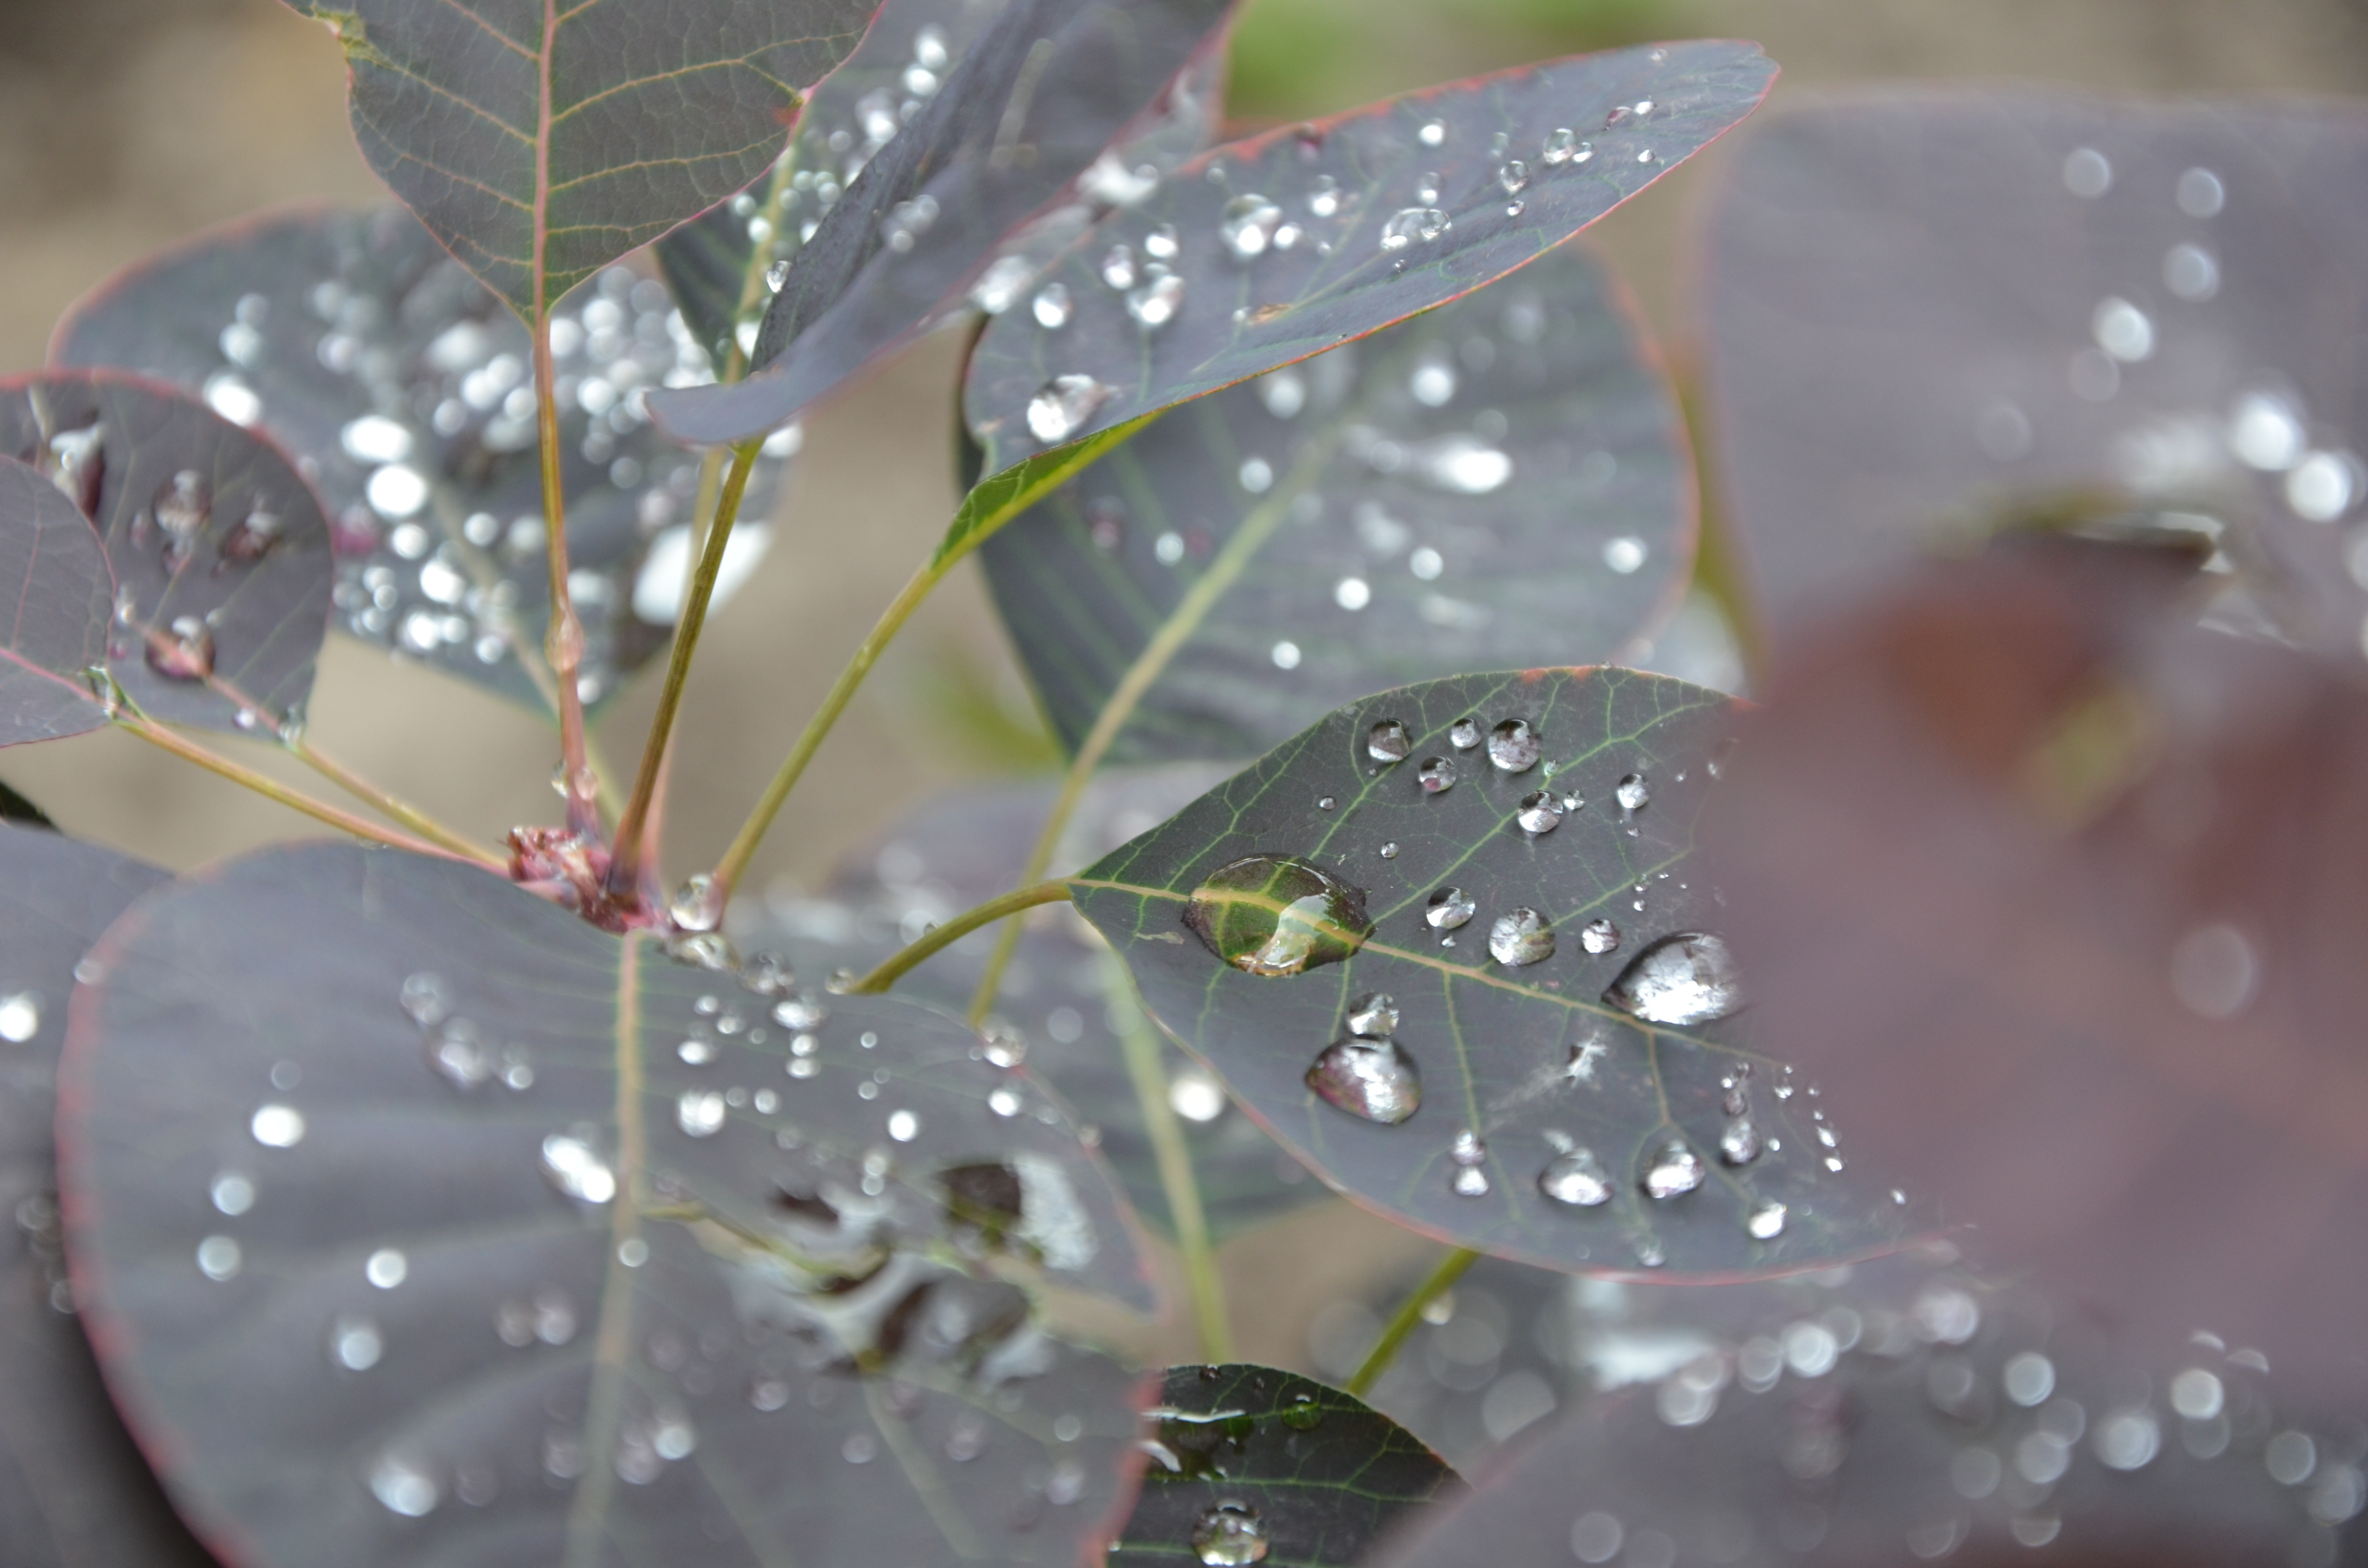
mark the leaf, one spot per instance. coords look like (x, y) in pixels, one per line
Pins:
(2000, 348)
(528, 1248)
(2023, 860)
(16, 808)
(1502, 481)
(1277, 1467)
(54, 570)
(540, 144)
(74, 1490)
(1292, 242)
(354, 341)
(1044, 90)
(1064, 1001)
(220, 552)
(1811, 1420)
(1524, 1076)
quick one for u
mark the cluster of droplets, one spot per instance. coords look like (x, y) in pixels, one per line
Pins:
(458, 1050)
(1367, 1072)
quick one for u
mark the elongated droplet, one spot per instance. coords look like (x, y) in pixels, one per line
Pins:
(1155, 304)
(1372, 1079)
(1688, 978)
(1271, 914)
(1248, 224)
(1514, 746)
(1118, 268)
(1230, 1534)
(573, 1165)
(1388, 742)
(1061, 408)
(1053, 308)
(1521, 937)
(1577, 1179)
(1448, 909)
(1374, 1016)
(1409, 225)
(1438, 776)
(1673, 1171)
(1767, 1222)
(1740, 1143)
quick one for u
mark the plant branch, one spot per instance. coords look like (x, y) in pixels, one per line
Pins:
(1385, 1351)
(624, 870)
(939, 938)
(1177, 1181)
(563, 643)
(386, 805)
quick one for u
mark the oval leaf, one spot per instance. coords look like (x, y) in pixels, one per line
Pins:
(421, 1219)
(56, 577)
(1527, 1083)
(1253, 1465)
(354, 341)
(220, 551)
(541, 144)
(2053, 308)
(1501, 482)
(73, 1488)
(1266, 251)
(1044, 90)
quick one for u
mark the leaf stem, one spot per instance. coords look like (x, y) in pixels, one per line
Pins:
(1719, 569)
(387, 805)
(939, 938)
(563, 643)
(1177, 1183)
(587, 1517)
(1385, 1351)
(624, 870)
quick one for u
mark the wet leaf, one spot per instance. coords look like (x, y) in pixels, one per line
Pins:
(1526, 1081)
(407, 392)
(1934, 314)
(55, 573)
(2022, 859)
(922, 221)
(540, 146)
(74, 1490)
(1267, 250)
(1064, 1000)
(420, 1218)
(1501, 481)
(1900, 1412)
(1249, 1464)
(220, 551)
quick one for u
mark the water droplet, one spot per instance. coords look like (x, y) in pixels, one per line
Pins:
(1061, 408)
(1469, 1154)
(2123, 330)
(1624, 555)
(1740, 1143)
(1540, 813)
(277, 1126)
(1352, 593)
(1388, 742)
(1247, 225)
(184, 652)
(1390, 850)
(1521, 937)
(1681, 979)
(1575, 1178)
(386, 1268)
(1437, 775)
(1634, 793)
(1155, 304)
(1514, 176)
(1285, 655)
(1562, 146)
(219, 1258)
(699, 1112)
(1408, 225)
(403, 1486)
(2265, 432)
(578, 1169)
(1598, 936)
(2201, 194)
(1304, 1413)
(2128, 1440)
(1372, 1079)
(1449, 908)
(356, 1343)
(2321, 487)
(1271, 914)
(21, 1017)
(1324, 197)
(2088, 172)
(2191, 272)
(1230, 1534)
(698, 904)
(1003, 1100)
(1053, 307)
(1674, 1171)
(799, 1011)
(1003, 1045)
(1595, 1538)
(2198, 1394)
(1767, 1222)
(1374, 1016)
(1460, 464)
(254, 537)
(1432, 384)
(1196, 1097)
(1514, 746)
(904, 1126)
(232, 1193)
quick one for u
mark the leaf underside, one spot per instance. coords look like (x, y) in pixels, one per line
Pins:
(61, 597)
(634, 1284)
(1524, 1058)
(1498, 483)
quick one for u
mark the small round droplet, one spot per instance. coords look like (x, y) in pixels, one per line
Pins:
(356, 1343)
(232, 1193)
(1304, 1413)
(904, 1126)
(1247, 225)
(1230, 1534)
(1634, 793)
(1767, 1222)
(572, 1165)
(1673, 1171)
(1052, 307)
(1436, 776)
(1448, 909)
(1686, 979)
(1577, 1179)
(1271, 915)
(1514, 176)
(1372, 1079)
(1514, 746)
(1540, 813)
(1521, 937)
(1463, 734)
(21, 1017)
(1388, 742)
(698, 904)
(1374, 1016)
(1598, 936)
(1196, 1097)
(386, 1268)
(277, 1126)
(2088, 172)
(424, 999)
(700, 1112)
(1562, 146)
(403, 1486)
(219, 1258)
(1390, 850)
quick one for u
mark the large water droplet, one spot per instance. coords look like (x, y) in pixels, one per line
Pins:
(1449, 908)
(1685, 979)
(1514, 176)
(219, 1258)
(1061, 408)
(698, 904)
(1388, 742)
(277, 1126)
(1465, 734)
(1372, 1079)
(1230, 1534)
(1514, 746)
(1521, 937)
(1278, 915)
(185, 652)
(700, 1112)
(1740, 1143)
(1598, 936)
(576, 1168)
(1575, 1178)
(1248, 224)
(1408, 225)
(386, 1268)
(1438, 775)
(1673, 1171)
(1562, 146)
(1155, 304)
(1539, 813)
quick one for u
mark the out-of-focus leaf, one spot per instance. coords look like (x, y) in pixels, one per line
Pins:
(420, 1220)
(2018, 861)
(1897, 1415)
(74, 1490)
(1022, 121)
(220, 551)
(1266, 251)
(407, 392)
(54, 570)
(16, 808)
(1945, 312)
(541, 144)
(1253, 1465)
(1668, 1141)
(1501, 482)
(1063, 999)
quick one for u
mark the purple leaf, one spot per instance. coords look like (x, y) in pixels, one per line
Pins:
(1270, 249)
(220, 552)
(60, 595)
(420, 1220)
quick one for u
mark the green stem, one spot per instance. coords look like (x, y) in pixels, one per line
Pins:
(387, 805)
(624, 870)
(563, 643)
(1719, 570)
(1450, 1269)
(1177, 1181)
(939, 938)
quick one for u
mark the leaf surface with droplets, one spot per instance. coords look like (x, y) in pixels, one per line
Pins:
(60, 598)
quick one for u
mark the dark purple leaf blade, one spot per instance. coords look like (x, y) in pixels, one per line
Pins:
(541, 144)
(16, 808)
(1262, 1456)
(1499, 483)
(2022, 861)
(1914, 321)
(220, 554)
(61, 598)
(74, 1490)
(400, 382)
(635, 1286)
(1523, 1058)
(916, 227)
(1310, 265)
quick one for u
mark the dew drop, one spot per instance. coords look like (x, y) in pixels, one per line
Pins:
(1388, 742)
(403, 1486)
(2123, 330)
(1514, 176)
(1681, 979)
(699, 1112)
(185, 652)
(232, 1193)
(698, 904)
(1271, 914)
(21, 1017)
(2201, 194)
(1465, 734)
(1562, 146)
(1740, 1143)
(2088, 172)
(1372, 1079)
(1374, 1016)
(1247, 225)
(1437, 775)
(1390, 850)
(1324, 199)
(1575, 1178)
(1598, 936)
(1155, 304)
(277, 1126)
(1003, 1100)
(1352, 593)
(1520, 936)
(1514, 746)
(1674, 1171)
(1230, 1534)
(1634, 793)
(1060, 409)
(1460, 464)
(386, 1268)
(1408, 225)
(904, 1126)
(219, 1258)
(356, 1343)
(573, 1166)
(2191, 272)
(1196, 1097)
(1540, 813)
(1767, 1222)
(1449, 908)
(1052, 307)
